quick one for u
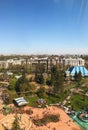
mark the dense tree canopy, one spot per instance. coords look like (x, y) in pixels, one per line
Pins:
(39, 78)
(57, 79)
(42, 92)
(23, 85)
(12, 83)
(78, 77)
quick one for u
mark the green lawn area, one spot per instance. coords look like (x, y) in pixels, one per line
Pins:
(32, 100)
(51, 99)
(79, 102)
(73, 85)
(85, 79)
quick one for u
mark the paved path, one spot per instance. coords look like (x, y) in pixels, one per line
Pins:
(67, 99)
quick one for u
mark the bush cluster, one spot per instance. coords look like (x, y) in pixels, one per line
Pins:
(29, 112)
(46, 119)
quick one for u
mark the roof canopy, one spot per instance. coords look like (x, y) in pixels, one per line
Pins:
(20, 101)
(77, 69)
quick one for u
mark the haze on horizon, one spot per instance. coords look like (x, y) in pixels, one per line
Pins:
(43, 26)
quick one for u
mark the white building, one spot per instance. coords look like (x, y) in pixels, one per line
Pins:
(4, 64)
(7, 63)
(73, 61)
(15, 61)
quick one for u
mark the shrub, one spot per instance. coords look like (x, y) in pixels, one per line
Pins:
(29, 111)
(46, 119)
(52, 118)
(7, 110)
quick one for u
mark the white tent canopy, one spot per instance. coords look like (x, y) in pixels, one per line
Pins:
(20, 101)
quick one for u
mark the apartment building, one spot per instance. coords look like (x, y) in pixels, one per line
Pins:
(48, 61)
(7, 63)
(73, 61)
(4, 64)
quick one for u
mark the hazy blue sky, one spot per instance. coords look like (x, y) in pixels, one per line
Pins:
(43, 26)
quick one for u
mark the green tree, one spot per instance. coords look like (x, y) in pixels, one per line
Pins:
(12, 84)
(27, 88)
(48, 81)
(39, 78)
(40, 68)
(41, 92)
(57, 79)
(75, 76)
(24, 86)
(78, 80)
(79, 77)
(19, 83)
(59, 82)
(54, 71)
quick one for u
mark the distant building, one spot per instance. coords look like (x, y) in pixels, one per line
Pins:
(15, 61)
(47, 61)
(73, 61)
(4, 64)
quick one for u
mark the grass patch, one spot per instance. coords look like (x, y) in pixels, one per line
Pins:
(32, 100)
(79, 102)
(7, 110)
(50, 98)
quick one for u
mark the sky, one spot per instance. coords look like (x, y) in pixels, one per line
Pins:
(43, 26)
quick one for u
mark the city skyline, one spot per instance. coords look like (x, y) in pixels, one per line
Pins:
(43, 26)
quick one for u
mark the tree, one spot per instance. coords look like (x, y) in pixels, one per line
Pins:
(57, 79)
(59, 82)
(78, 80)
(12, 84)
(8, 97)
(48, 81)
(41, 92)
(20, 83)
(16, 125)
(75, 76)
(24, 86)
(39, 78)
(54, 72)
(78, 77)
(40, 68)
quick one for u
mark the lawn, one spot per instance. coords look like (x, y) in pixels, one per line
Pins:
(32, 100)
(51, 99)
(79, 102)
